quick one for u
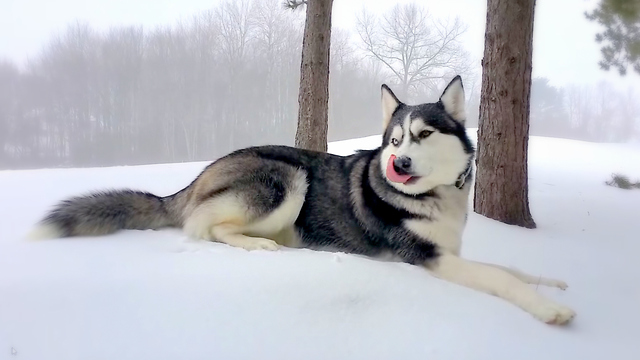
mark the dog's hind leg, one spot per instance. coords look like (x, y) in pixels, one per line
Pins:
(206, 224)
(531, 279)
(253, 210)
(498, 282)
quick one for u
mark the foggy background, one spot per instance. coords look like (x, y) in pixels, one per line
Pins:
(121, 83)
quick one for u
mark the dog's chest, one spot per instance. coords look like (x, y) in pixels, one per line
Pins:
(444, 221)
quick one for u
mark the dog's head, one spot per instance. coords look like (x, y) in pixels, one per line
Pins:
(425, 145)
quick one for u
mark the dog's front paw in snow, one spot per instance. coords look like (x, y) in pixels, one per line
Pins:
(559, 284)
(554, 314)
(553, 283)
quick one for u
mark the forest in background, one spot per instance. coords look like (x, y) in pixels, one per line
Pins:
(228, 78)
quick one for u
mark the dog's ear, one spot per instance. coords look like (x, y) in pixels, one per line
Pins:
(389, 104)
(452, 99)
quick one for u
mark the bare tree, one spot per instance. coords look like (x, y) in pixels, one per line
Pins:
(501, 190)
(278, 45)
(629, 126)
(9, 94)
(601, 113)
(236, 25)
(313, 97)
(355, 84)
(418, 50)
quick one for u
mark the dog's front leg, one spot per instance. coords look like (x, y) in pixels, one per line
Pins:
(530, 279)
(496, 281)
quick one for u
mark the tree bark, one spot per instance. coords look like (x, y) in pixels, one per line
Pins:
(501, 190)
(313, 97)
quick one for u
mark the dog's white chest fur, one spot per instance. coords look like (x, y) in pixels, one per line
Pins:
(446, 217)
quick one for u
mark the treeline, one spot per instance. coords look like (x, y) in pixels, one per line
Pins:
(228, 78)
(593, 113)
(224, 79)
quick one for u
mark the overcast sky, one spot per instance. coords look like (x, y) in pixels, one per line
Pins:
(564, 46)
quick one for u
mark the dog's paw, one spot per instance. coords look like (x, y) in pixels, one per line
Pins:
(554, 283)
(260, 244)
(560, 284)
(554, 314)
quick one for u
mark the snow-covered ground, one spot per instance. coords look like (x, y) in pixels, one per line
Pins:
(157, 295)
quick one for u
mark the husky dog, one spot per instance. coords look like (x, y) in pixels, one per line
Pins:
(406, 199)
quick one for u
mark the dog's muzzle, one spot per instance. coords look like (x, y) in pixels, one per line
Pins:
(402, 165)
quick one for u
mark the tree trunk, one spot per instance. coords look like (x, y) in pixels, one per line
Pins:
(313, 97)
(501, 190)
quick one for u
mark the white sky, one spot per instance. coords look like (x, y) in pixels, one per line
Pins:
(564, 47)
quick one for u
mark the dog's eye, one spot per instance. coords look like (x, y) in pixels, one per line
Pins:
(395, 142)
(424, 134)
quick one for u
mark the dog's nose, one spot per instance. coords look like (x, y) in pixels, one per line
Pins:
(402, 164)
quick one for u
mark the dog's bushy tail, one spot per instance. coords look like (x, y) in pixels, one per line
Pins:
(106, 212)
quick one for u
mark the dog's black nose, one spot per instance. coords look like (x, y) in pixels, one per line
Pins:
(402, 164)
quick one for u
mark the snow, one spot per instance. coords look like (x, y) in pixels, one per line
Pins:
(157, 295)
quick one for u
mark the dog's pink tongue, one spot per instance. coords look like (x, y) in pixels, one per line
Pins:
(392, 175)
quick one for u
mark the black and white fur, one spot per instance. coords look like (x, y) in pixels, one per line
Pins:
(265, 197)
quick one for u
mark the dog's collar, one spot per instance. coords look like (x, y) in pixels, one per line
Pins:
(462, 179)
